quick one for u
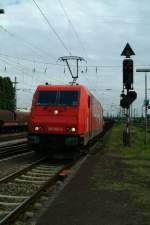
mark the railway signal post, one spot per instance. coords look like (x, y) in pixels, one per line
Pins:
(128, 95)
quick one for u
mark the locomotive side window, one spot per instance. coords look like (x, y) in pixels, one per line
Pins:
(68, 98)
(47, 98)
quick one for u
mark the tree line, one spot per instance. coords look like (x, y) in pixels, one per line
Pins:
(7, 94)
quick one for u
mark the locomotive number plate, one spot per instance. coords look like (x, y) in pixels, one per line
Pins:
(55, 128)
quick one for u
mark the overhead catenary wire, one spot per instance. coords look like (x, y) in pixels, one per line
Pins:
(92, 66)
(35, 48)
(72, 26)
(18, 68)
(46, 63)
(52, 28)
(57, 64)
(30, 60)
(9, 63)
(25, 71)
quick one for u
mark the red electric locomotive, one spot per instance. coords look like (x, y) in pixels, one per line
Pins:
(66, 115)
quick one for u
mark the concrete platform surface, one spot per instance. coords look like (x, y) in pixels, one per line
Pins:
(87, 200)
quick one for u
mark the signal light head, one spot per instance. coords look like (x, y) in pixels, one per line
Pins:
(127, 73)
(127, 99)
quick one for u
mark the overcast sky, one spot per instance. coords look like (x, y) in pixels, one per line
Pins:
(96, 30)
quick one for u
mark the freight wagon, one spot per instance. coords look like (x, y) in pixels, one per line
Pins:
(13, 121)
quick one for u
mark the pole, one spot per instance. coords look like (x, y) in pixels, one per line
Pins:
(142, 112)
(134, 113)
(77, 67)
(15, 97)
(145, 70)
(126, 133)
(145, 108)
(2, 11)
(131, 112)
(128, 127)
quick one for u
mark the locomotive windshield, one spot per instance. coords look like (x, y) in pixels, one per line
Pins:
(62, 98)
(69, 98)
(47, 98)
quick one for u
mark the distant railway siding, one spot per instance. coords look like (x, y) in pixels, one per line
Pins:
(13, 121)
(12, 136)
(13, 147)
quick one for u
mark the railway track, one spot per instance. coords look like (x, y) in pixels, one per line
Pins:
(21, 189)
(141, 124)
(12, 136)
(13, 149)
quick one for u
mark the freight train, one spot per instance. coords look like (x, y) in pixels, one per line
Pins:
(13, 121)
(64, 115)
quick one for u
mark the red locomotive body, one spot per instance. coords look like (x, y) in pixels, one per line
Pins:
(64, 114)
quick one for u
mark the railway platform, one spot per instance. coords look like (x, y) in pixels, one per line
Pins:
(87, 201)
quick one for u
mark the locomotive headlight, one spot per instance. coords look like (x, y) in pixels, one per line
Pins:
(71, 129)
(56, 112)
(37, 128)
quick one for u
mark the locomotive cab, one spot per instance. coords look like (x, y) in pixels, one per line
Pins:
(63, 115)
(54, 116)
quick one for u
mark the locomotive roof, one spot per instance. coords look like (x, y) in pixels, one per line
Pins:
(61, 87)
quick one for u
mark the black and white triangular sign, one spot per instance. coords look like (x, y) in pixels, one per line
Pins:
(127, 51)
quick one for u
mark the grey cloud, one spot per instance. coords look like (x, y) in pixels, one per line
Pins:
(103, 27)
(4, 3)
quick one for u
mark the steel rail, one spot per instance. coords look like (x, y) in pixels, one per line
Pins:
(20, 172)
(17, 145)
(13, 149)
(12, 136)
(13, 215)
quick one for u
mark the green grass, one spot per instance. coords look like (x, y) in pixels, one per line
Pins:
(137, 149)
(135, 168)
